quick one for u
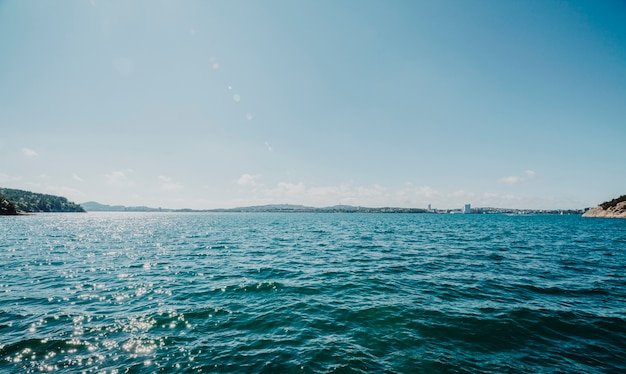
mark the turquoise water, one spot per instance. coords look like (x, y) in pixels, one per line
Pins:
(144, 293)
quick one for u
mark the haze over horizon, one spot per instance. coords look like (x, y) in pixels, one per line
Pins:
(208, 104)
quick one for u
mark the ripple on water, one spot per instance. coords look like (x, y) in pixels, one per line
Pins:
(311, 293)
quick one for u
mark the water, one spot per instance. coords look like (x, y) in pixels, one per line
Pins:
(144, 293)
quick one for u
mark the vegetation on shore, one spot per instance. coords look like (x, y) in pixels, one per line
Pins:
(13, 201)
(615, 208)
(7, 208)
(609, 204)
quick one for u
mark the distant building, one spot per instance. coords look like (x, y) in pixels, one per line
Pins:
(467, 209)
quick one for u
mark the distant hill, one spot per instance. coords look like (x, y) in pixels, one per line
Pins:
(268, 208)
(288, 208)
(32, 202)
(615, 208)
(92, 206)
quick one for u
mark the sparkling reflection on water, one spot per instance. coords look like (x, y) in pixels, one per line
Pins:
(134, 292)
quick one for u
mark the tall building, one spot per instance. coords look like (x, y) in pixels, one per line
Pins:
(467, 209)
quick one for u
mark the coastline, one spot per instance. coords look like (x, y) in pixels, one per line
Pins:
(617, 211)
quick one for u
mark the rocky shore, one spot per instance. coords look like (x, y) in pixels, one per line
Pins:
(612, 209)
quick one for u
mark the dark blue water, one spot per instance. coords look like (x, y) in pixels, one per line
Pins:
(125, 292)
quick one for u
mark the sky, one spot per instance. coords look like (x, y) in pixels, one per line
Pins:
(218, 104)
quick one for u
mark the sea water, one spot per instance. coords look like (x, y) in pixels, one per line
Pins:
(199, 292)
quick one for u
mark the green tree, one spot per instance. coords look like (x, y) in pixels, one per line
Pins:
(35, 202)
(608, 204)
(7, 207)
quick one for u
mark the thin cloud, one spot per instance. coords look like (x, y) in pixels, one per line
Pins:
(515, 179)
(168, 184)
(68, 192)
(29, 152)
(425, 191)
(349, 194)
(490, 199)
(248, 180)
(119, 178)
(291, 189)
(463, 194)
(77, 178)
(8, 178)
(115, 177)
(511, 180)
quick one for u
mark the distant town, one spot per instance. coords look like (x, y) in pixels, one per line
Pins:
(291, 208)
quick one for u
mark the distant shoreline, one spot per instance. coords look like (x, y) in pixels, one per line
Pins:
(288, 208)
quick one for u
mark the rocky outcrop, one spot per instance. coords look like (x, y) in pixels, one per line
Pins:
(607, 210)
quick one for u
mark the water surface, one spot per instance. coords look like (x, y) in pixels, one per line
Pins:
(137, 292)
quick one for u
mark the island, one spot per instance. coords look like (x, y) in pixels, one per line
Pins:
(13, 201)
(615, 208)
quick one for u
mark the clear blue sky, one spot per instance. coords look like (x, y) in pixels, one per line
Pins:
(208, 104)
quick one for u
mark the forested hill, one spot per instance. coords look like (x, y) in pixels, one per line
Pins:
(31, 202)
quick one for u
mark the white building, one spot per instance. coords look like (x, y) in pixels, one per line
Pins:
(467, 209)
